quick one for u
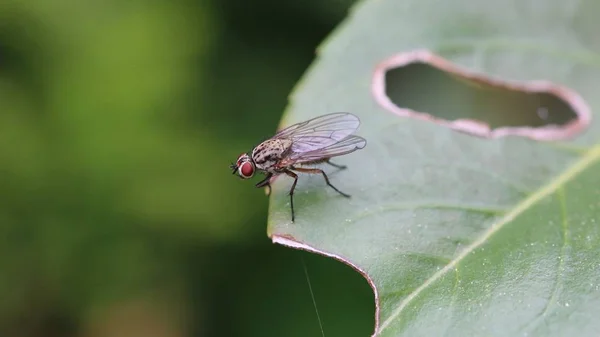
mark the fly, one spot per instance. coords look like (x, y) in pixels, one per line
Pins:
(310, 142)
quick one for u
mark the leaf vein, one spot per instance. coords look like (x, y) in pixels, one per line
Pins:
(489, 210)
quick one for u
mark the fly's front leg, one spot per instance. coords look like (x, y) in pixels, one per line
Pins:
(319, 171)
(265, 183)
(295, 176)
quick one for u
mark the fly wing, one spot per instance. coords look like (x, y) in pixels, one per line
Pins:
(347, 145)
(320, 132)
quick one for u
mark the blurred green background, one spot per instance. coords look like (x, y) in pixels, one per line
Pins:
(119, 215)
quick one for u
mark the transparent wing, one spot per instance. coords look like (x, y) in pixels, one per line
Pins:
(320, 132)
(347, 145)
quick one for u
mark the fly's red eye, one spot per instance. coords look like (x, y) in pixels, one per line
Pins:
(247, 170)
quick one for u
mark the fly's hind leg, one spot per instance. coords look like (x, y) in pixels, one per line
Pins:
(319, 171)
(341, 167)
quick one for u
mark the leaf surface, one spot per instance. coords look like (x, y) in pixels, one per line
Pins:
(459, 235)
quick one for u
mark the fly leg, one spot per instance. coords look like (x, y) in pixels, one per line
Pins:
(295, 176)
(265, 183)
(341, 167)
(316, 171)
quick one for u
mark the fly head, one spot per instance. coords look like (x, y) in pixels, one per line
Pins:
(244, 166)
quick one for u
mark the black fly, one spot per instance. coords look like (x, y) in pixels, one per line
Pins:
(310, 142)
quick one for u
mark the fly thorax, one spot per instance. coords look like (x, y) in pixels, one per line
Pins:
(269, 152)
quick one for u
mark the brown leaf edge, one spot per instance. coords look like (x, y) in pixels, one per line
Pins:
(475, 127)
(291, 242)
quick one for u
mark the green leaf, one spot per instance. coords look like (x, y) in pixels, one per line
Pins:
(459, 235)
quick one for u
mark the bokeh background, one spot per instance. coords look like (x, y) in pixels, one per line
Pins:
(119, 215)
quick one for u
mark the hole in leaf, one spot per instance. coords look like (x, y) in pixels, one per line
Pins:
(422, 85)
